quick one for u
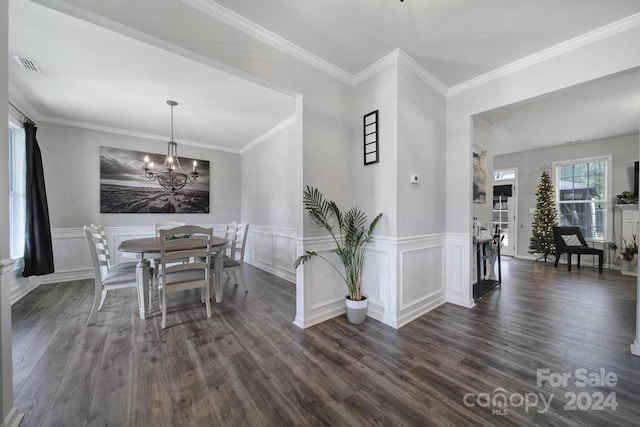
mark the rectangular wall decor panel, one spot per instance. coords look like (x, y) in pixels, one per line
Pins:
(370, 123)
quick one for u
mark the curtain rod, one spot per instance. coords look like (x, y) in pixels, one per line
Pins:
(26, 118)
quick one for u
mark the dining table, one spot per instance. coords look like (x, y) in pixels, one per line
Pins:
(147, 249)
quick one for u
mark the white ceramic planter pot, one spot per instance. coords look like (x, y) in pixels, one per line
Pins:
(630, 267)
(356, 310)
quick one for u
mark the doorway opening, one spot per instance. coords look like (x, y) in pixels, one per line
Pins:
(504, 210)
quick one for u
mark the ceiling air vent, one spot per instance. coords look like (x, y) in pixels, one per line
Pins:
(28, 64)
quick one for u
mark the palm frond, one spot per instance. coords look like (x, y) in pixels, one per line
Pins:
(351, 241)
(304, 258)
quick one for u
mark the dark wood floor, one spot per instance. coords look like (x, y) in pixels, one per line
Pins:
(249, 365)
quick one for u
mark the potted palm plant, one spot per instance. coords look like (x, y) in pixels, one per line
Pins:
(351, 234)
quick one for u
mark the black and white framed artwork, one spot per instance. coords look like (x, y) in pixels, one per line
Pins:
(125, 189)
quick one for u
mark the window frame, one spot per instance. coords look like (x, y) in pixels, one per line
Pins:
(17, 196)
(607, 217)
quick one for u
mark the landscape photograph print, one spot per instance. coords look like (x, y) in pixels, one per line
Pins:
(125, 189)
(479, 174)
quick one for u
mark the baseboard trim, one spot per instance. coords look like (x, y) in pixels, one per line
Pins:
(14, 418)
(412, 315)
(319, 317)
(563, 261)
(19, 292)
(64, 276)
(467, 303)
(273, 269)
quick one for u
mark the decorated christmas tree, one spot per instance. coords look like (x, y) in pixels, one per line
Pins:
(544, 219)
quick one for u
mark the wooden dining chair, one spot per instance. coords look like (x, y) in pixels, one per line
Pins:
(105, 278)
(229, 236)
(185, 255)
(234, 262)
(163, 225)
(111, 266)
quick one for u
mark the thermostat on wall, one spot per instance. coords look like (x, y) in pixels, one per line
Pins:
(414, 179)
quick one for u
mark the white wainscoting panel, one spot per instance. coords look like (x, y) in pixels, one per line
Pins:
(322, 295)
(422, 275)
(403, 279)
(421, 286)
(377, 279)
(117, 235)
(272, 249)
(70, 252)
(11, 277)
(458, 269)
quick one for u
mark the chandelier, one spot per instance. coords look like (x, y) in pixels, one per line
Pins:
(170, 175)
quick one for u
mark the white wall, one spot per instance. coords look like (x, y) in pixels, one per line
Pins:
(270, 193)
(71, 164)
(268, 177)
(422, 152)
(624, 152)
(375, 187)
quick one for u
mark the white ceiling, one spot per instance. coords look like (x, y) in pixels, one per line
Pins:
(596, 110)
(455, 40)
(95, 76)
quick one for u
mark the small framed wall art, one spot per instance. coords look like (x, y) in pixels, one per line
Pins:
(371, 148)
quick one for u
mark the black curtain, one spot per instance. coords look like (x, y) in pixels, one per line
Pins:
(38, 251)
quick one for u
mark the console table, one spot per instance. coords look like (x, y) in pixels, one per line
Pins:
(487, 280)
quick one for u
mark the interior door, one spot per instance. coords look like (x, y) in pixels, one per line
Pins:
(504, 215)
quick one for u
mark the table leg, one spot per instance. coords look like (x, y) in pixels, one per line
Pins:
(154, 283)
(218, 266)
(142, 279)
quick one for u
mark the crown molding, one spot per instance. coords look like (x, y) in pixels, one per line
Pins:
(268, 134)
(412, 65)
(126, 132)
(241, 23)
(390, 59)
(402, 58)
(601, 33)
(84, 125)
(20, 99)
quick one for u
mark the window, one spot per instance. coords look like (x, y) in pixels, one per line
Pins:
(582, 187)
(17, 190)
(504, 175)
